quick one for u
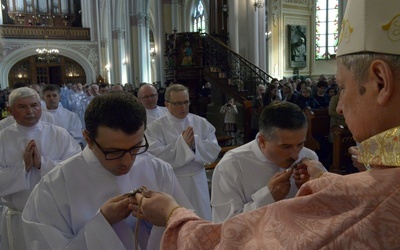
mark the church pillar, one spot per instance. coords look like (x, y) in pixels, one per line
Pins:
(252, 33)
(233, 25)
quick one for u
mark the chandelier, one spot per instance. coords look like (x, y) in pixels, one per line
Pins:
(258, 4)
(46, 54)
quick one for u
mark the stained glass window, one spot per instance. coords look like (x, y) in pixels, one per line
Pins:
(327, 29)
(198, 18)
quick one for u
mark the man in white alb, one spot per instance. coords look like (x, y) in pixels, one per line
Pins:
(253, 175)
(148, 96)
(29, 149)
(63, 117)
(82, 204)
(186, 141)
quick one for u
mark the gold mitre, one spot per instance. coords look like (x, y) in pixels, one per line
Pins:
(370, 26)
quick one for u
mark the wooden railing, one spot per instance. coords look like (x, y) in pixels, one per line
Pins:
(40, 32)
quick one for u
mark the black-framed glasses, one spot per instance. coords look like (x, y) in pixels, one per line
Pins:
(177, 104)
(147, 97)
(116, 154)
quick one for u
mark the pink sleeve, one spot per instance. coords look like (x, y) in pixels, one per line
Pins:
(188, 231)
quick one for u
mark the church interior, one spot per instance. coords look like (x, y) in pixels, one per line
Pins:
(222, 50)
(219, 49)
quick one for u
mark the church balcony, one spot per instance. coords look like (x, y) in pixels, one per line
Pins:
(40, 32)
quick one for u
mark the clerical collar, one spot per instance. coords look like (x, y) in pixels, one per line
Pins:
(382, 149)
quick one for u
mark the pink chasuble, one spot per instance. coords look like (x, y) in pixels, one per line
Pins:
(357, 211)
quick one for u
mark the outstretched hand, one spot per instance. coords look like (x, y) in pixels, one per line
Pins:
(152, 206)
(314, 168)
(116, 209)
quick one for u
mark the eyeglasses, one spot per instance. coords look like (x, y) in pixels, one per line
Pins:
(116, 154)
(177, 104)
(147, 97)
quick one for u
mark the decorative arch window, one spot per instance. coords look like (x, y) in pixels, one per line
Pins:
(326, 29)
(199, 22)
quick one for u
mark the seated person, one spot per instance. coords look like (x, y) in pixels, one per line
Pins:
(305, 99)
(321, 96)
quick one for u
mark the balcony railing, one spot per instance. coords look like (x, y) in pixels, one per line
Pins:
(39, 32)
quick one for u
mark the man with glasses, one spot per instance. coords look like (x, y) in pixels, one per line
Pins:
(83, 204)
(148, 96)
(186, 141)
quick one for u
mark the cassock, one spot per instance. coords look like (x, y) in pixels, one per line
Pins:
(154, 114)
(166, 142)
(68, 120)
(63, 211)
(55, 145)
(239, 182)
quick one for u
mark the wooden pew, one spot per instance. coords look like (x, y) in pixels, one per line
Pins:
(318, 123)
(342, 140)
(221, 154)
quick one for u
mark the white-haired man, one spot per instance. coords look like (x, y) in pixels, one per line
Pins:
(29, 149)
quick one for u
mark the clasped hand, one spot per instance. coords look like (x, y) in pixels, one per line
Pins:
(188, 136)
(32, 157)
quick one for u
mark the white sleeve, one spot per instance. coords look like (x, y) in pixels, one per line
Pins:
(45, 227)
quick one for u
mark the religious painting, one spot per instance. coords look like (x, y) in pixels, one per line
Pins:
(297, 46)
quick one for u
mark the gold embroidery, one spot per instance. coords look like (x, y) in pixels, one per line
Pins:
(346, 31)
(382, 149)
(393, 29)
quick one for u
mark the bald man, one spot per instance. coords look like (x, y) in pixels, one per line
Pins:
(148, 96)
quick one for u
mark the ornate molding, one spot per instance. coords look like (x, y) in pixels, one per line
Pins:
(296, 21)
(275, 7)
(88, 51)
(119, 32)
(305, 2)
(103, 42)
(142, 19)
(276, 70)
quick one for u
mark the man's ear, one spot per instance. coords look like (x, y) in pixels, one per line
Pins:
(382, 75)
(89, 142)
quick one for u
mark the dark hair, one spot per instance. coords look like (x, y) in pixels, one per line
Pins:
(332, 87)
(321, 84)
(103, 85)
(116, 110)
(51, 87)
(282, 115)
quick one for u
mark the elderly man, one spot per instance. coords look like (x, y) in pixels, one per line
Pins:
(332, 211)
(186, 141)
(94, 89)
(82, 203)
(29, 149)
(253, 175)
(148, 96)
(63, 117)
(45, 116)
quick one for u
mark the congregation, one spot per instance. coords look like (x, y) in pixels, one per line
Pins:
(66, 106)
